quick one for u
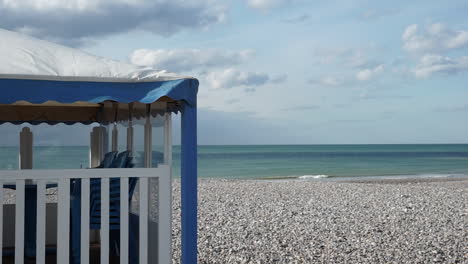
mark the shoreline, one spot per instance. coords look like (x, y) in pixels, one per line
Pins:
(408, 180)
(360, 179)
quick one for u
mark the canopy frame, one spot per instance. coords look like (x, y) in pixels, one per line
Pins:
(42, 82)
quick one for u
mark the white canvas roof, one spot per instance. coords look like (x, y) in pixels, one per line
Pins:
(24, 57)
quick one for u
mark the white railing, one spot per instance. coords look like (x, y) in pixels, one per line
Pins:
(20, 178)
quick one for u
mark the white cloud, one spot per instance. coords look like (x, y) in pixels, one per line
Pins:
(367, 74)
(58, 4)
(358, 59)
(349, 57)
(435, 38)
(179, 60)
(430, 43)
(267, 4)
(230, 78)
(74, 22)
(436, 64)
(207, 63)
(330, 81)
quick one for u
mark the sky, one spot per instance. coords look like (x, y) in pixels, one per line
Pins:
(284, 71)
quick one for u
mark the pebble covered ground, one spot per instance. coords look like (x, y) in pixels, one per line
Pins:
(248, 221)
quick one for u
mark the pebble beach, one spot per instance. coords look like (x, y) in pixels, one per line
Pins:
(303, 221)
(293, 221)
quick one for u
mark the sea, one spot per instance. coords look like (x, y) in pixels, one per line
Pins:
(302, 162)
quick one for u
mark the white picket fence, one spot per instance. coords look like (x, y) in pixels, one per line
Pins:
(62, 178)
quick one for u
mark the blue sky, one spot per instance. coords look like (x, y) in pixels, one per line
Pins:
(286, 71)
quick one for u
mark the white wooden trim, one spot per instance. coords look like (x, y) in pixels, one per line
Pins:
(143, 221)
(105, 220)
(1, 221)
(84, 240)
(91, 149)
(148, 143)
(63, 221)
(10, 176)
(124, 214)
(144, 194)
(168, 139)
(115, 138)
(99, 145)
(94, 147)
(19, 222)
(104, 147)
(41, 222)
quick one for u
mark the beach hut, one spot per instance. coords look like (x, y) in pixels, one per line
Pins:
(41, 82)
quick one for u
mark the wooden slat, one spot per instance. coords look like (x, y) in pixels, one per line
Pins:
(63, 221)
(19, 222)
(84, 240)
(105, 198)
(1, 221)
(26, 149)
(41, 222)
(143, 189)
(124, 213)
(164, 223)
(143, 221)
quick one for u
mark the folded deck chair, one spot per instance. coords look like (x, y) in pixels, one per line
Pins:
(111, 160)
(122, 160)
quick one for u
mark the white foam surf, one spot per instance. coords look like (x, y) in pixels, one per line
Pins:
(319, 176)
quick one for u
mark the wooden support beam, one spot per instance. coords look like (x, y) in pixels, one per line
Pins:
(26, 149)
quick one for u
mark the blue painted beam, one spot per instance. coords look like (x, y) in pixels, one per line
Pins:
(189, 183)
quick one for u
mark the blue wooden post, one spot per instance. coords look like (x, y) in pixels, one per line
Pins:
(189, 183)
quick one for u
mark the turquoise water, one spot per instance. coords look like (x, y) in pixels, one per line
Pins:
(306, 161)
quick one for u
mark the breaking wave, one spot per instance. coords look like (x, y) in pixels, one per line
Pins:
(319, 176)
